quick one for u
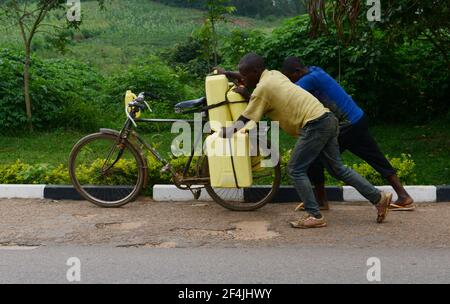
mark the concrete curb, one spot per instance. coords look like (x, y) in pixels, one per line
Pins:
(421, 194)
(170, 193)
(22, 191)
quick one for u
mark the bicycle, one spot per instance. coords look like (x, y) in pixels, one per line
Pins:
(109, 168)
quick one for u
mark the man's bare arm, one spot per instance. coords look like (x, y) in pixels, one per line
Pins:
(230, 75)
(236, 127)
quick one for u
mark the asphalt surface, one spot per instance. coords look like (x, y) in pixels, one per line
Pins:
(148, 242)
(224, 265)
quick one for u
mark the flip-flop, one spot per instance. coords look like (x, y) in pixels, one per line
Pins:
(410, 207)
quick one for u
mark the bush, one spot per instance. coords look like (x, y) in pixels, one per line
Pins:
(151, 75)
(64, 94)
(404, 165)
(23, 173)
(239, 43)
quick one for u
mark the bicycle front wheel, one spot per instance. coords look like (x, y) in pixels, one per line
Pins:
(106, 170)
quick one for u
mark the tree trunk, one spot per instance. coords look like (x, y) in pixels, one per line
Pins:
(215, 42)
(26, 86)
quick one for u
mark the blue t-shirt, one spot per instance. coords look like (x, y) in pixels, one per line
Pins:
(332, 95)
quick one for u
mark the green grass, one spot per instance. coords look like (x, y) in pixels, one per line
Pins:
(112, 38)
(429, 146)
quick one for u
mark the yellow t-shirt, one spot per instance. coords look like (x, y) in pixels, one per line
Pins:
(281, 100)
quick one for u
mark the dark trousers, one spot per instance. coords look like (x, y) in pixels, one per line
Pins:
(358, 140)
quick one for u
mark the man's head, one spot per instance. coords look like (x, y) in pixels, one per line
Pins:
(294, 69)
(251, 68)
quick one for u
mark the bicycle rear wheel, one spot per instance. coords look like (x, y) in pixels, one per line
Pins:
(106, 171)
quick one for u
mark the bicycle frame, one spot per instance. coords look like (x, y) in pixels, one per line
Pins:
(183, 182)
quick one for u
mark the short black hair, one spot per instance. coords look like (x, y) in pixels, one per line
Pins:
(292, 64)
(253, 61)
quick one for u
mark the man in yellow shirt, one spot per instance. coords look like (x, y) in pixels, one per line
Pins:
(301, 115)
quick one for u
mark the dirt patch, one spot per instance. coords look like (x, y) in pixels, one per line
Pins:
(250, 231)
(243, 231)
(201, 233)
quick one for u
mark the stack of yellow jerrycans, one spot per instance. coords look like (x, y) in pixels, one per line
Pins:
(229, 160)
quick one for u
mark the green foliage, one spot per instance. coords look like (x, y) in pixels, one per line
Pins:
(154, 76)
(406, 82)
(70, 95)
(125, 173)
(404, 165)
(239, 43)
(254, 8)
(65, 93)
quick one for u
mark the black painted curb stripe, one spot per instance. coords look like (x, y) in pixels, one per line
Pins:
(61, 193)
(443, 194)
(289, 194)
(284, 195)
(69, 192)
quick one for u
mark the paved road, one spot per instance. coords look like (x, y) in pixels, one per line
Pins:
(149, 242)
(224, 266)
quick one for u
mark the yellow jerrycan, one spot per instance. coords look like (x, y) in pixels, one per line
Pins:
(237, 107)
(129, 97)
(237, 103)
(229, 163)
(216, 89)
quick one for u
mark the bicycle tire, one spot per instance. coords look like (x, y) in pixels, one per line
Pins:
(247, 207)
(79, 188)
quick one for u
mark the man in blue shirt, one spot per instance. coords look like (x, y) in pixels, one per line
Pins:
(354, 129)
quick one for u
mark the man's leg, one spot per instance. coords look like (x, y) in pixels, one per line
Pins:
(331, 158)
(317, 177)
(365, 147)
(304, 154)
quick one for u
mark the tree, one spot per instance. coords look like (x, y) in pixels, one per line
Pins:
(402, 20)
(216, 12)
(30, 16)
(416, 19)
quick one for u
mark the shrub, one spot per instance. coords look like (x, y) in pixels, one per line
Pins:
(239, 43)
(23, 173)
(150, 75)
(404, 165)
(64, 93)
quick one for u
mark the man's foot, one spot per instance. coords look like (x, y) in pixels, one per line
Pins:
(323, 207)
(403, 204)
(308, 222)
(383, 206)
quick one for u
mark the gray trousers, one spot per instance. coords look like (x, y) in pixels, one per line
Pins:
(319, 139)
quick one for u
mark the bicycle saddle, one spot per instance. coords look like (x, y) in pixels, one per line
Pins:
(190, 104)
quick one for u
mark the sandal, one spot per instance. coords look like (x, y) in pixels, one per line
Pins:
(410, 207)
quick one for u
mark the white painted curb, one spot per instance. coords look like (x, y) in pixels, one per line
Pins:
(22, 191)
(170, 193)
(420, 194)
